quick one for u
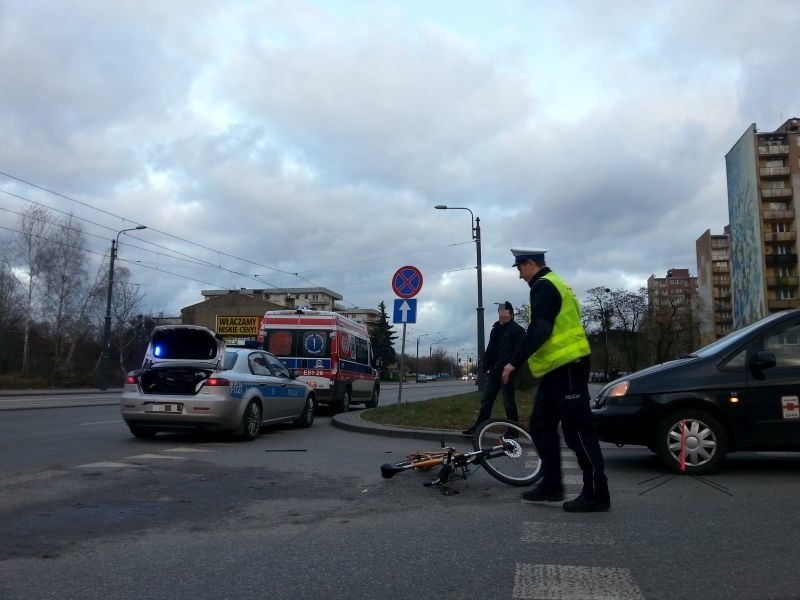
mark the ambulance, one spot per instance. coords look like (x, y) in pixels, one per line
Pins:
(330, 352)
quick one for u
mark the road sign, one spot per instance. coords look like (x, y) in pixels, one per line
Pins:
(405, 310)
(407, 282)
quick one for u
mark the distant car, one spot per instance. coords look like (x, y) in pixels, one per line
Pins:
(738, 393)
(189, 380)
(422, 378)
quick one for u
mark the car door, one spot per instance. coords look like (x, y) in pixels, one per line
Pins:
(294, 392)
(774, 391)
(273, 393)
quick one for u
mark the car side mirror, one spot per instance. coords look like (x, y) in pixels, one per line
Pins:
(763, 360)
(294, 373)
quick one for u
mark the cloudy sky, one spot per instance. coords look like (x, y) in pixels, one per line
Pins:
(291, 143)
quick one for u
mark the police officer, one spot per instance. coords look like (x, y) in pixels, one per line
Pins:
(503, 340)
(557, 352)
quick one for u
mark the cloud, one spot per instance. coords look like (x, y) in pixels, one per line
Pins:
(282, 138)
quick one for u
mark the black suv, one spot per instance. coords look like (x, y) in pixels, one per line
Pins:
(738, 393)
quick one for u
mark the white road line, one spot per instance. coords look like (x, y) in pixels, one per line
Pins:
(102, 422)
(108, 465)
(32, 477)
(566, 533)
(567, 582)
(155, 456)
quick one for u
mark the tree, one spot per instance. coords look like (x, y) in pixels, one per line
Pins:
(67, 293)
(599, 312)
(382, 338)
(631, 311)
(31, 252)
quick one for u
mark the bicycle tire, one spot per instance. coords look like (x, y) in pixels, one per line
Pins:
(518, 465)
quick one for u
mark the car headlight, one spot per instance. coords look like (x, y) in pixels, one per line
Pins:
(618, 389)
(614, 395)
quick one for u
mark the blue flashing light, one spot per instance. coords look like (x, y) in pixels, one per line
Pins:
(157, 351)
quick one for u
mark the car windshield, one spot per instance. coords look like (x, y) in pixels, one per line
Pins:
(729, 341)
(230, 360)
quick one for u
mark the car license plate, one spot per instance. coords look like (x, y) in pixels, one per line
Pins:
(165, 408)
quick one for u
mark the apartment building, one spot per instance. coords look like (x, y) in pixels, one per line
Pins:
(714, 284)
(763, 170)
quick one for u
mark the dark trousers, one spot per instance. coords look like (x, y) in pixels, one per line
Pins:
(492, 385)
(563, 396)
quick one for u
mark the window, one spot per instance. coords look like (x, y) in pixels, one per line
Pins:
(786, 294)
(278, 367)
(785, 345)
(780, 227)
(258, 364)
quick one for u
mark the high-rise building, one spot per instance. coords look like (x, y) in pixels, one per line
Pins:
(673, 316)
(714, 284)
(762, 171)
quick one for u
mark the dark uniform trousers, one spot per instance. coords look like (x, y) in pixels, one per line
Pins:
(563, 395)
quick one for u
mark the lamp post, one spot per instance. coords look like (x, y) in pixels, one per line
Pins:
(476, 235)
(107, 325)
(606, 325)
(417, 366)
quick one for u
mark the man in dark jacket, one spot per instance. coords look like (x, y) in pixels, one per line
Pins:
(503, 340)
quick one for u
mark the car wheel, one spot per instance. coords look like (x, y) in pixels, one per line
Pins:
(344, 404)
(142, 433)
(694, 434)
(250, 426)
(373, 400)
(306, 418)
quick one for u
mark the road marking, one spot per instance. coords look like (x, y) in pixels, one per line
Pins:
(107, 465)
(102, 422)
(567, 582)
(566, 533)
(155, 456)
(32, 477)
(189, 450)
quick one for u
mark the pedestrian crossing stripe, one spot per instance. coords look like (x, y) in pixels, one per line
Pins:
(566, 533)
(568, 582)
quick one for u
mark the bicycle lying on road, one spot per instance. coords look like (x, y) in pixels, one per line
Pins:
(504, 448)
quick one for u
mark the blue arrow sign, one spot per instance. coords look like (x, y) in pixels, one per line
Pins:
(405, 310)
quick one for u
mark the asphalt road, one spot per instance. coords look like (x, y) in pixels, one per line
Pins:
(87, 511)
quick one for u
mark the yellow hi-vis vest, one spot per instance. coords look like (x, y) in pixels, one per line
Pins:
(568, 340)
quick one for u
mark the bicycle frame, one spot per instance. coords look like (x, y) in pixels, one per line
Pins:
(455, 465)
(503, 448)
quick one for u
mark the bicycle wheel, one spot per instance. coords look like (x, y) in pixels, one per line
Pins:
(516, 460)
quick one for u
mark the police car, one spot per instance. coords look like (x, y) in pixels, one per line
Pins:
(738, 393)
(190, 380)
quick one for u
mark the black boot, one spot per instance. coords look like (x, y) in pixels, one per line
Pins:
(541, 493)
(585, 504)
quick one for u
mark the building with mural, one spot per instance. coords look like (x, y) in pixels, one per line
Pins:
(763, 169)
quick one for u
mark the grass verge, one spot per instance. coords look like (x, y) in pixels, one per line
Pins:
(452, 412)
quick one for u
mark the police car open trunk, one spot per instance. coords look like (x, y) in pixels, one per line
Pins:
(180, 359)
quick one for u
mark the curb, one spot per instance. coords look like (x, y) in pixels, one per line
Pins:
(352, 421)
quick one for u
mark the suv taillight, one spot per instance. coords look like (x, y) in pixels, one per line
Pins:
(217, 382)
(131, 380)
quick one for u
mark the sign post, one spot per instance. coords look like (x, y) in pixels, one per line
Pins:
(406, 283)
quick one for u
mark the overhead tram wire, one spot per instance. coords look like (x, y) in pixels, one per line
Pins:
(153, 229)
(60, 195)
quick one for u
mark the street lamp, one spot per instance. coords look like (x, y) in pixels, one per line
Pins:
(606, 324)
(430, 348)
(476, 235)
(419, 336)
(107, 325)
